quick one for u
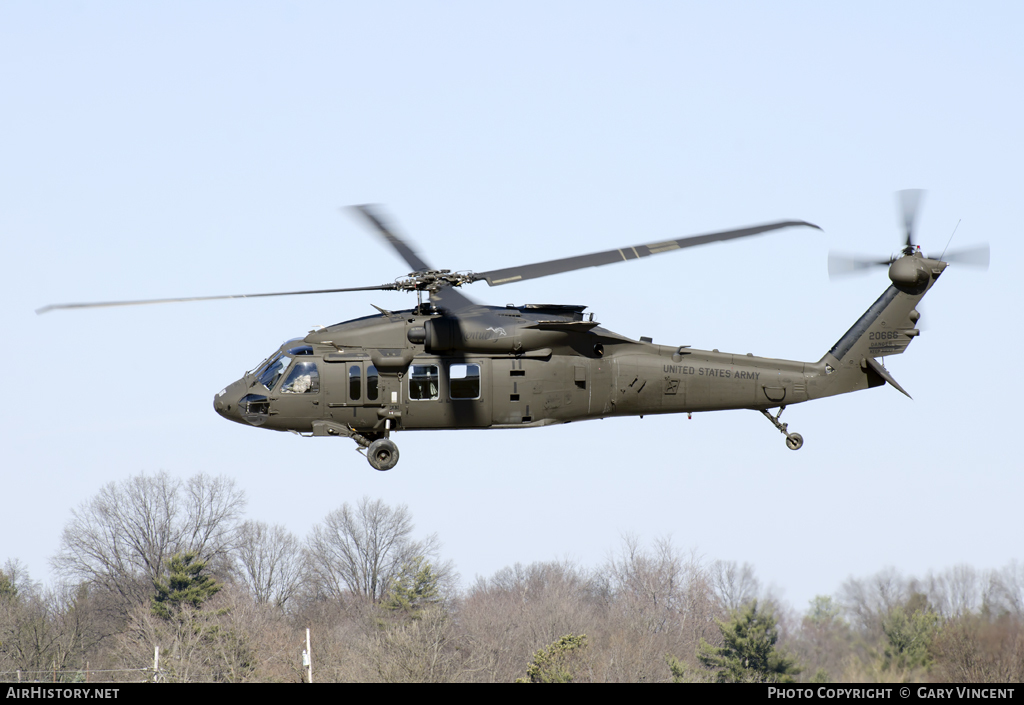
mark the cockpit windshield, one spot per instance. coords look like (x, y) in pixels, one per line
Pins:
(263, 365)
(271, 370)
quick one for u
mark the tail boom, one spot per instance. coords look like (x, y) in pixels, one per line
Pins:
(886, 328)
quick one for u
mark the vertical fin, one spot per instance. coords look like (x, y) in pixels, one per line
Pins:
(886, 328)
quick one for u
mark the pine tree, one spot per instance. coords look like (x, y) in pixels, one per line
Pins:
(556, 663)
(909, 633)
(185, 585)
(748, 654)
(414, 589)
(683, 672)
(8, 590)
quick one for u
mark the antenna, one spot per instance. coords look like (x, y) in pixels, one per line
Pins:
(950, 239)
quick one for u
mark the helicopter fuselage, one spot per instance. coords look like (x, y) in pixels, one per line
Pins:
(536, 365)
(545, 365)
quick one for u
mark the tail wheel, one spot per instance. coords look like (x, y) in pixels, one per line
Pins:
(382, 454)
(794, 441)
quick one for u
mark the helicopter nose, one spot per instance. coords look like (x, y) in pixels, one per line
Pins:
(225, 402)
(220, 402)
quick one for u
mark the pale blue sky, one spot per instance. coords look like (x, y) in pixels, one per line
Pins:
(176, 149)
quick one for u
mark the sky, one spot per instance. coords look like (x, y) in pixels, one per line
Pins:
(186, 149)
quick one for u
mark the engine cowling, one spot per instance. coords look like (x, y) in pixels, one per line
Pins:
(466, 335)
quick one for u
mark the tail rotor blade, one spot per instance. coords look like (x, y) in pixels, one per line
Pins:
(840, 264)
(977, 256)
(910, 203)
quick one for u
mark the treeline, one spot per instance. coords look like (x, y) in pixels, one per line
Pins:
(165, 579)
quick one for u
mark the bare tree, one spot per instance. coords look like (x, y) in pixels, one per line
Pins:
(14, 579)
(823, 639)
(734, 585)
(867, 601)
(22, 618)
(361, 550)
(230, 640)
(421, 650)
(41, 629)
(121, 538)
(648, 584)
(955, 591)
(973, 648)
(1005, 591)
(270, 559)
(213, 508)
(506, 618)
(660, 602)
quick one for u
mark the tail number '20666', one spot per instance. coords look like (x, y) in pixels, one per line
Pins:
(884, 335)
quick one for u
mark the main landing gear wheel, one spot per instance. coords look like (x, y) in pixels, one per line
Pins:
(794, 441)
(382, 454)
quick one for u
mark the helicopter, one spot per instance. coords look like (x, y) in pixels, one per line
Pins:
(453, 363)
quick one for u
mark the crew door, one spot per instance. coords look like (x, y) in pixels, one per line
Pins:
(356, 393)
(295, 402)
(448, 393)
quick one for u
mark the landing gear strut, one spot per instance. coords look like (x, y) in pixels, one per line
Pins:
(794, 441)
(380, 450)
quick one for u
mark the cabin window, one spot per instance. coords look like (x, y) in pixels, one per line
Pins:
(303, 379)
(464, 381)
(423, 382)
(372, 390)
(355, 391)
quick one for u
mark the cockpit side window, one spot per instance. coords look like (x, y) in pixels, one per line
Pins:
(303, 379)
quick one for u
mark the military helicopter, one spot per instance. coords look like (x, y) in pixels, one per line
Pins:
(451, 363)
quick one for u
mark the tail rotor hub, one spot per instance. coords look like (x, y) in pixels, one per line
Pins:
(909, 274)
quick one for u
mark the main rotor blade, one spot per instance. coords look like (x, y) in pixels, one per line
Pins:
(447, 298)
(910, 203)
(496, 277)
(406, 252)
(106, 304)
(452, 300)
(840, 264)
(975, 256)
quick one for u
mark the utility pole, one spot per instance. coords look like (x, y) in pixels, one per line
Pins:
(307, 658)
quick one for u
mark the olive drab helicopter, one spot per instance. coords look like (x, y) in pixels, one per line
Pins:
(451, 363)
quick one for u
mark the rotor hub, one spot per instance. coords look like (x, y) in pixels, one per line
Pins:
(433, 280)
